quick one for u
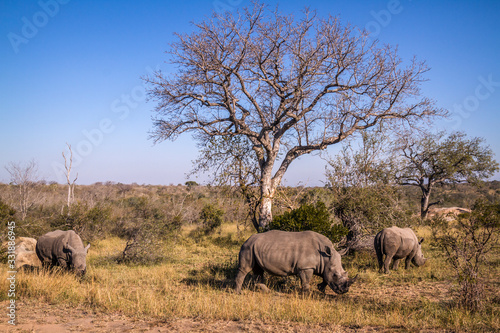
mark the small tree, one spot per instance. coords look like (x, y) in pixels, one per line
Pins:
(190, 184)
(25, 178)
(429, 160)
(211, 218)
(361, 180)
(465, 243)
(147, 229)
(366, 210)
(369, 163)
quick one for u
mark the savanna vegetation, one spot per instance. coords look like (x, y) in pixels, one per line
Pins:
(164, 252)
(258, 89)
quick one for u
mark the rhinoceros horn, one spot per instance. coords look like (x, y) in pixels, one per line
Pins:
(87, 247)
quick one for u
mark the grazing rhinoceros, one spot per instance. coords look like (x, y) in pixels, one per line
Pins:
(396, 243)
(62, 248)
(285, 253)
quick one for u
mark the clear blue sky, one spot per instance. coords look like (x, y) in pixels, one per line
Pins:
(70, 72)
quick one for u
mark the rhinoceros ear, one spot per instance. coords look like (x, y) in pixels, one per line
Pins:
(70, 248)
(421, 241)
(343, 252)
(328, 251)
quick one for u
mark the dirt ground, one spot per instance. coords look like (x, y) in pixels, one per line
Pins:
(45, 318)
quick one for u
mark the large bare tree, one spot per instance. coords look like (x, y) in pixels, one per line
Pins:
(290, 85)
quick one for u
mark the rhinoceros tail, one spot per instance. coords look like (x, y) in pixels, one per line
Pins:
(377, 244)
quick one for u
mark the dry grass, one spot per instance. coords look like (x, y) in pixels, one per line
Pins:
(196, 282)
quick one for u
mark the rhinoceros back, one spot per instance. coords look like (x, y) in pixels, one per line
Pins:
(282, 253)
(394, 239)
(50, 247)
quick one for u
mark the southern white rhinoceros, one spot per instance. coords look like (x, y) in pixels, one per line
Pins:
(397, 243)
(285, 253)
(63, 248)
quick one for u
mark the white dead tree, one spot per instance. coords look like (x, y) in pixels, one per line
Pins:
(71, 184)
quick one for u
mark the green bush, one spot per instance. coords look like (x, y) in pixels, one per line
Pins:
(89, 222)
(190, 184)
(6, 215)
(309, 217)
(211, 219)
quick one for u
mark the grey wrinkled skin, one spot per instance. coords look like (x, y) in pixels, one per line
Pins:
(64, 249)
(285, 253)
(397, 243)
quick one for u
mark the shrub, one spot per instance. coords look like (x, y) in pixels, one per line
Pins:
(309, 217)
(147, 231)
(465, 242)
(367, 210)
(190, 184)
(89, 222)
(211, 219)
(6, 215)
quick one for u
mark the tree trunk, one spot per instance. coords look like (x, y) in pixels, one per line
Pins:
(69, 196)
(24, 201)
(265, 213)
(424, 202)
(267, 190)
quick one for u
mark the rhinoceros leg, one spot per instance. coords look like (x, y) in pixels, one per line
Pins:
(305, 278)
(407, 262)
(260, 279)
(387, 262)
(240, 277)
(395, 264)
(62, 263)
(380, 263)
(322, 286)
